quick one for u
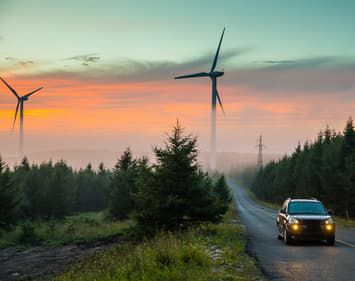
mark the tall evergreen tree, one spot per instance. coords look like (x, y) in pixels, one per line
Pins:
(9, 200)
(123, 186)
(179, 193)
(348, 166)
(223, 194)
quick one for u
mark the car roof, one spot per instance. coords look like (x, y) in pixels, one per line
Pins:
(304, 200)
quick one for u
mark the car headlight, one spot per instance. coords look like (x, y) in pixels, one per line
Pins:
(329, 221)
(293, 221)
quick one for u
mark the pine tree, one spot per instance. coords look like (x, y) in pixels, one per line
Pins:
(223, 194)
(123, 186)
(9, 201)
(348, 165)
(178, 192)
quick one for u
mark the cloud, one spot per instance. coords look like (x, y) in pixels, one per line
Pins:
(319, 75)
(26, 63)
(85, 59)
(19, 62)
(326, 75)
(304, 63)
(10, 58)
(128, 70)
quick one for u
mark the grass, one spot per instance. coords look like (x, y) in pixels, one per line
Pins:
(73, 229)
(263, 203)
(344, 222)
(208, 252)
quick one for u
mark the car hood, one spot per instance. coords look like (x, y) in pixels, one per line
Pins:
(310, 217)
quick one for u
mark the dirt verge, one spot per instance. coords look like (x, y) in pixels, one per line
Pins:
(39, 262)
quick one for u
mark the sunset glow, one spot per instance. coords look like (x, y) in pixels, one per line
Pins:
(114, 84)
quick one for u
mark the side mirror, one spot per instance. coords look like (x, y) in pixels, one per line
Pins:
(330, 212)
(282, 211)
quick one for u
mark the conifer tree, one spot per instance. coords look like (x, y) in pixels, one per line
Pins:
(123, 186)
(179, 193)
(9, 200)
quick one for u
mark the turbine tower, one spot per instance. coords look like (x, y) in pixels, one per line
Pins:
(213, 75)
(20, 104)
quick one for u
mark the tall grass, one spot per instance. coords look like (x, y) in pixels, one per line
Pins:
(208, 252)
(73, 229)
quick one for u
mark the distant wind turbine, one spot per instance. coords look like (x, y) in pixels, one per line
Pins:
(20, 103)
(213, 75)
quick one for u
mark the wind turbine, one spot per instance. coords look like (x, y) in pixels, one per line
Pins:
(213, 75)
(20, 104)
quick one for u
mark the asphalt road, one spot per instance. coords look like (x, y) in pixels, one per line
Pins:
(307, 261)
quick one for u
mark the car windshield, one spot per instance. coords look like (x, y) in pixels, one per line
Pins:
(313, 208)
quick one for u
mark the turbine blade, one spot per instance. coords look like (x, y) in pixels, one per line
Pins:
(31, 93)
(13, 124)
(200, 74)
(220, 103)
(217, 53)
(10, 88)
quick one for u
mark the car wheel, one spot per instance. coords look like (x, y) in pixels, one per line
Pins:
(287, 238)
(331, 241)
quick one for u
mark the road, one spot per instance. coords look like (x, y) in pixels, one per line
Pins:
(300, 262)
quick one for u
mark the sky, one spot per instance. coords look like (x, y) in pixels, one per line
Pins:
(107, 69)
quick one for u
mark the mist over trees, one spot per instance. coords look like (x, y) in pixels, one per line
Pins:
(324, 169)
(172, 193)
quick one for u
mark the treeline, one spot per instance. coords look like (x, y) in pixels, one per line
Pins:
(172, 193)
(52, 190)
(324, 168)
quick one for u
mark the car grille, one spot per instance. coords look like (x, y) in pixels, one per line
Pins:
(312, 225)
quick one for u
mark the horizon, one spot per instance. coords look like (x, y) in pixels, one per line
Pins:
(107, 72)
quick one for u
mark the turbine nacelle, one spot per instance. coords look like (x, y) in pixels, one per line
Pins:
(216, 74)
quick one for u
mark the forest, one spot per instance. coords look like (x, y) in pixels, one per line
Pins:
(172, 193)
(323, 168)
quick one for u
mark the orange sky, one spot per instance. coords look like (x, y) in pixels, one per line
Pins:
(69, 114)
(107, 72)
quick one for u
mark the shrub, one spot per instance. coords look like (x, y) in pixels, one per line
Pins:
(28, 233)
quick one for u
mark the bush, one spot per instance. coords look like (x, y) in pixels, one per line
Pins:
(28, 234)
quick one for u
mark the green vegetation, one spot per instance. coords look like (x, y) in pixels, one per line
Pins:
(73, 229)
(54, 190)
(205, 252)
(176, 193)
(172, 194)
(324, 169)
(8, 198)
(350, 223)
(127, 177)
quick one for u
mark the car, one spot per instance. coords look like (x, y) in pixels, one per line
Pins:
(305, 219)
